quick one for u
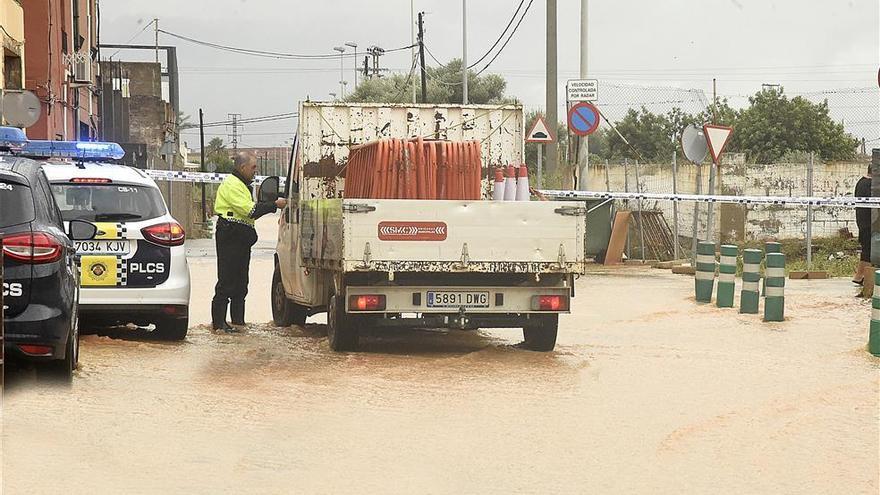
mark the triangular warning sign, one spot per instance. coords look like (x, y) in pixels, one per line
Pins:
(717, 137)
(540, 133)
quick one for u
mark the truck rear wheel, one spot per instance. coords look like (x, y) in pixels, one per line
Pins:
(342, 335)
(284, 311)
(540, 332)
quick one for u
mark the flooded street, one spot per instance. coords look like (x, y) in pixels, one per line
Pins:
(646, 393)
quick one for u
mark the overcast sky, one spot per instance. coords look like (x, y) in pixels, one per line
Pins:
(805, 45)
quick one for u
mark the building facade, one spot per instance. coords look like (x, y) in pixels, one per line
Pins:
(62, 54)
(12, 24)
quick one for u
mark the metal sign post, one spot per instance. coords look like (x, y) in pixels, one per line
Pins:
(540, 165)
(695, 147)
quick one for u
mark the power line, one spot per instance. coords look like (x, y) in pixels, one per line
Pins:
(133, 37)
(501, 36)
(250, 120)
(266, 53)
(515, 28)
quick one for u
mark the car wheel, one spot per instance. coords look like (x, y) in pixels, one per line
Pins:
(284, 311)
(172, 329)
(341, 334)
(540, 332)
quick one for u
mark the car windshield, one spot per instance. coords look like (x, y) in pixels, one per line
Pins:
(108, 202)
(16, 203)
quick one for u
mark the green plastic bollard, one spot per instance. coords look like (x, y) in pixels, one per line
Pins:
(874, 335)
(769, 247)
(774, 305)
(749, 300)
(704, 277)
(727, 276)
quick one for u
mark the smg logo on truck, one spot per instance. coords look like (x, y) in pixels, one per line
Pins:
(149, 268)
(12, 290)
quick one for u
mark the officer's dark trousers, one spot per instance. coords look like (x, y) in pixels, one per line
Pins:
(234, 242)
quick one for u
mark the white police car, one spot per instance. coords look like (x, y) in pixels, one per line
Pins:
(135, 270)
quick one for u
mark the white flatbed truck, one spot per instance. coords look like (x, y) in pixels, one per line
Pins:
(420, 263)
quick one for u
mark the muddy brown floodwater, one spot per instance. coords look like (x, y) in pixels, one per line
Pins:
(647, 392)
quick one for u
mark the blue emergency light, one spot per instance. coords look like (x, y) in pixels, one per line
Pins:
(12, 138)
(82, 150)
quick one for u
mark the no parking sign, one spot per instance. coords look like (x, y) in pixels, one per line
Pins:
(583, 119)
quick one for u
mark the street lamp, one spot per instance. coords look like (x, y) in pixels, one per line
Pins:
(354, 45)
(341, 50)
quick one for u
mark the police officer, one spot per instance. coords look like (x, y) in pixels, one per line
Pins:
(236, 212)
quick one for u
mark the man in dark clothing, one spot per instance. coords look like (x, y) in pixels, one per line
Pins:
(864, 273)
(235, 235)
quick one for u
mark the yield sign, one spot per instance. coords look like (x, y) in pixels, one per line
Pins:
(717, 137)
(540, 133)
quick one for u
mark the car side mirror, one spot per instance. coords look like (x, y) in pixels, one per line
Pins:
(268, 191)
(80, 230)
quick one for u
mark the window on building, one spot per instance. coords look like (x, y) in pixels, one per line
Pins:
(12, 70)
(122, 84)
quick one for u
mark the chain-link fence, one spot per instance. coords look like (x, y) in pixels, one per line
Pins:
(655, 165)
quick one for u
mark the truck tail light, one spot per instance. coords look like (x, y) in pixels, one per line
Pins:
(165, 234)
(550, 303)
(366, 303)
(33, 248)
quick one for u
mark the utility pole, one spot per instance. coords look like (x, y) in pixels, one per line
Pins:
(464, 58)
(235, 126)
(341, 50)
(412, 35)
(354, 46)
(584, 148)
(156, 26)
(422, 57)
(551, 110)
(202, 168)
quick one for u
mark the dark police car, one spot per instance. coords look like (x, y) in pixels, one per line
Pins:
(40, 284)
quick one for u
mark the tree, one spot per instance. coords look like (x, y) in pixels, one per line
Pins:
(774, 125)
(443, 87)
(650, 136)
(217, 153)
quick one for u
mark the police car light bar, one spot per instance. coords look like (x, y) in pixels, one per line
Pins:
(12, 138)
(74, 150)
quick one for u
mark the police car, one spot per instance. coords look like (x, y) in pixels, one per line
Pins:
(135, 270)
(40, 281)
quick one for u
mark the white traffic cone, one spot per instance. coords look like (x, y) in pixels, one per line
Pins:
(510, 184)
(498, 192)
(522, 184)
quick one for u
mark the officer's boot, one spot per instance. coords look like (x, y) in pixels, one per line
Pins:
(218, 313)
(236, 310)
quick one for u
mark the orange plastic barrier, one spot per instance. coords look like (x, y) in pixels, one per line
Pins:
(415, 169)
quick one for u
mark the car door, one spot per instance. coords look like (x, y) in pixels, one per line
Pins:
(50, 216)
(300, 284)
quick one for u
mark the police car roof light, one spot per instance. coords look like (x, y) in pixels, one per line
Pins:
(74, 149)
(12, 138)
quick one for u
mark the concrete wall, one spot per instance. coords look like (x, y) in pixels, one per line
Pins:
(744, 222)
